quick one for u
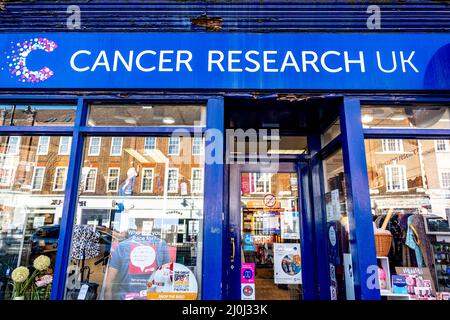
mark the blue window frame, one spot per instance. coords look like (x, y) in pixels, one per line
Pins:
(75, 138)
(351, 139)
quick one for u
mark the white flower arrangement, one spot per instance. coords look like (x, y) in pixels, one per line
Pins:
(41, 263)
(38, 285)
(20, 274)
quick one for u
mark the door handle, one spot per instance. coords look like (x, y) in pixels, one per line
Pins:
(233, 250)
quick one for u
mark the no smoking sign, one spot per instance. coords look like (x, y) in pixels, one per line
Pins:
(269, 200)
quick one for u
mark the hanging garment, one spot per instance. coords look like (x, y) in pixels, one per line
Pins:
(424, 242)
(397, 238)
(411, 242)
(85, 242)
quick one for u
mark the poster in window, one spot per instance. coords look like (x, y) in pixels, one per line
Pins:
(38, 222)
(245, 184)
(336, 206)
(287, 263)
(290, 225)
(172, 281)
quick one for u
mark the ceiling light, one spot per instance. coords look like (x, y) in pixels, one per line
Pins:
(130, 121)
(168, 120)
(398, 117)
(367, 118)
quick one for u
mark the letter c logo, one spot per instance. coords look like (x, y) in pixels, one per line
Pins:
(17, 60)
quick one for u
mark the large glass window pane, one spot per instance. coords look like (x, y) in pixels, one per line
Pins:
(37, 115)
(136, 215)
(410, 200)
(30, 207)
(337, 232)
(138, 115)
(424, 116)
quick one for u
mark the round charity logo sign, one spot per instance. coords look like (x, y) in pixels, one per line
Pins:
(269, 200)
(332, 236)
(247, 291)
(248, 274)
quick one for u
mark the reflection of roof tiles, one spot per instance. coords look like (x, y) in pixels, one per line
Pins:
(43, 117)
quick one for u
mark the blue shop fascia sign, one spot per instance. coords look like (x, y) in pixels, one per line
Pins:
(225, 61)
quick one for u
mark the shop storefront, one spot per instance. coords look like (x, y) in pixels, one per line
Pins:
(226, 166)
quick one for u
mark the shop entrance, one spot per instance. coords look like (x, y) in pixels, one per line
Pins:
(271, 254)
(265, 231)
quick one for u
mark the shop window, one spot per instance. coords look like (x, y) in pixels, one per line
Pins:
(396, 179)
(94, 146)
(116, 146)
(64, 145)
(13, 145)
(125, 237)
(113, 179)
(197, 180)
(38, 178)
(37, 115)
(172, 185)
(59, 183)
(43, 145)
(410, 199)
(147, 180)
(406, 116)
(31, 205)
(174, 146)
(139, 115)
(91, 180)
(392, 145)
(149, 144)
(197, 146)
(442, 146)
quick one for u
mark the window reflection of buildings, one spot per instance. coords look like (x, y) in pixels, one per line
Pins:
(424, 164)
(100, 164)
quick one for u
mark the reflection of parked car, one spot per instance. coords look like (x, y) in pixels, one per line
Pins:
(44, 240)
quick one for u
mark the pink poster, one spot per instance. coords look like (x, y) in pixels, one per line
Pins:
(248, 273)
(245, 184)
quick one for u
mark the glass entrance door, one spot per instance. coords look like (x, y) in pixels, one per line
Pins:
(265, 248)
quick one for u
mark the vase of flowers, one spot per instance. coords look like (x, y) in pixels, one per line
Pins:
(34, 287)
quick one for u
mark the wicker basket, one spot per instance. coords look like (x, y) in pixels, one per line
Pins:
(383, 244)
